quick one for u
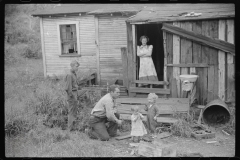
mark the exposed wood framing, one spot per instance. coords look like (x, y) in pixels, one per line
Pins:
(216, 43)
(169, 50)
(43, 47)
(176, 60)
(130, 57)
(134, 61)
(193, 65)
(197, 56)
(221, 62)
(230, 63)
(149, 90)
(151, 82)
(97, 49)
(125, 66)
(165, 58)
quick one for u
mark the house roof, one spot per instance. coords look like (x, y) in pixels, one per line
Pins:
(180, 12)
(92, 9)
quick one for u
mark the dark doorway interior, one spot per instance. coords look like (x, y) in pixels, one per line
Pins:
(155, 34)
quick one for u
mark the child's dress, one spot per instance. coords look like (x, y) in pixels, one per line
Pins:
(138, 128)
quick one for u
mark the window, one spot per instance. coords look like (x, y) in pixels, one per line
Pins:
(68, 38)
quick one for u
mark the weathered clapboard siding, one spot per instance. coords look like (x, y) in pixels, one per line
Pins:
(112, 36)
(60, 65)
(217, 77)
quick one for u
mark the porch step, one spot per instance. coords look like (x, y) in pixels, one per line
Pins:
(151, 82)
(148, 90)
(159, 119)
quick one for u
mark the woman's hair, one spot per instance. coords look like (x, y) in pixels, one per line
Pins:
(135, 108)
(144, 37)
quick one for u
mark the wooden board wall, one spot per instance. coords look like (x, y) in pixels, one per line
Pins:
(112, 36)
(60, 65)
(218, 76)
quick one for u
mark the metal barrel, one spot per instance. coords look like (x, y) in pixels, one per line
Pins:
(216, 113)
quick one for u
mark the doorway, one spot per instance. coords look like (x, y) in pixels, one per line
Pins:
(155, 35)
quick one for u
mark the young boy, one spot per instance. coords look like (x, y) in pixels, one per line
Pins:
(152, 112)
(138, 128)
(71, 88)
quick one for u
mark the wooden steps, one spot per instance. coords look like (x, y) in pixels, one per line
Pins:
(148, 90)
(167, 107)
(159, 119)
(151, 82)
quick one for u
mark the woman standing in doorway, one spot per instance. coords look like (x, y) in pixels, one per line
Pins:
(147, 70)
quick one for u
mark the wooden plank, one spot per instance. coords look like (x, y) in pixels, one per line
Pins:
(221, 62)
(159, 100)
(169, 50)
(43, 48)
(125, 66)
(165, 58)
(216, 43)
(186, 50)
(176, 58)
(97, 49)
(205, 59)
(151, 82)
(159, 119)
(134, 39)
(210, 92)
(202, 65)
(230, 63)
(149, 90)
(127, 135)
(130, 57)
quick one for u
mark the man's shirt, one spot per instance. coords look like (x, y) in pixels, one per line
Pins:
(71, 83)
(105, 108)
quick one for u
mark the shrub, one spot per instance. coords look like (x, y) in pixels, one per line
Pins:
(183, 127)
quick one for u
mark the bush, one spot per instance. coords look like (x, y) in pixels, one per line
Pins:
(33, 50)
(183, 127)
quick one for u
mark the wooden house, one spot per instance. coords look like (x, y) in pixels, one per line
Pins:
(188, 39)
(90, 33)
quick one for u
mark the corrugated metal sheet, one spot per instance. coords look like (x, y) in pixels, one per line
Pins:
(60, 65)
(112, 36)
(177, 12)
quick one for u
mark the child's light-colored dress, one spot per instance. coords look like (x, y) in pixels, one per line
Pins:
(138, 128)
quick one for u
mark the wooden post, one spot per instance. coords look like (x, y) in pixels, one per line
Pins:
(221, 62)
(43, 48)
(125, 66)
(165, 59)
(134, 51)
(97, 49)
(130, 57)
(176, 59)
(230, 63)
(197, 58)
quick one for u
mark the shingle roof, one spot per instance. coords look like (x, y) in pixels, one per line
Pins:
(93, 9)
(178, 12)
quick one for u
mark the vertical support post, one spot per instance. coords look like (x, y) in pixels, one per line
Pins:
(176, 58)
(43, 48)
(221, 62)
(97, 49)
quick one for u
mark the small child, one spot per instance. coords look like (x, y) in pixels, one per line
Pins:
(152, 112)
(138, 128)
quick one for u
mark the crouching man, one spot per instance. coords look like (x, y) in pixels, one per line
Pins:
(104, 111)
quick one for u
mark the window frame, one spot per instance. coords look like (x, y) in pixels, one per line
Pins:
(59, 38)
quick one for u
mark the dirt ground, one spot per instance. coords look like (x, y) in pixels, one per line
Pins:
(224, 147)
